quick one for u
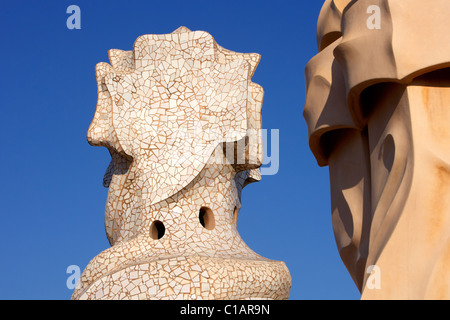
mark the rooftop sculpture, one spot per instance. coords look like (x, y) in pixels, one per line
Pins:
(377, 109)
(182, 122)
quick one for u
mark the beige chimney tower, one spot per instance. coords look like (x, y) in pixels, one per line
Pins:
(182, 121)
(377, 109)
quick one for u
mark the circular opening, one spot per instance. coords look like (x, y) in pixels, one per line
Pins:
(235, 216)
(157, 230)
(388, 151)
(206, 218)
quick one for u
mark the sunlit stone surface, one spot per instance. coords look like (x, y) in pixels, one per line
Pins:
(182, 121)
(377, 109)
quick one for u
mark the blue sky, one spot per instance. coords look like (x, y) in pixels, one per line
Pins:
(52, 198)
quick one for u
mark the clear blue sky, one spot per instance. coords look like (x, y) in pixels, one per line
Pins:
(52, 198)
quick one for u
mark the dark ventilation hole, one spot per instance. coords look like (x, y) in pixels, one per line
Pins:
(235, 216)
(206, 218)
(388, 151)
(157, 230)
